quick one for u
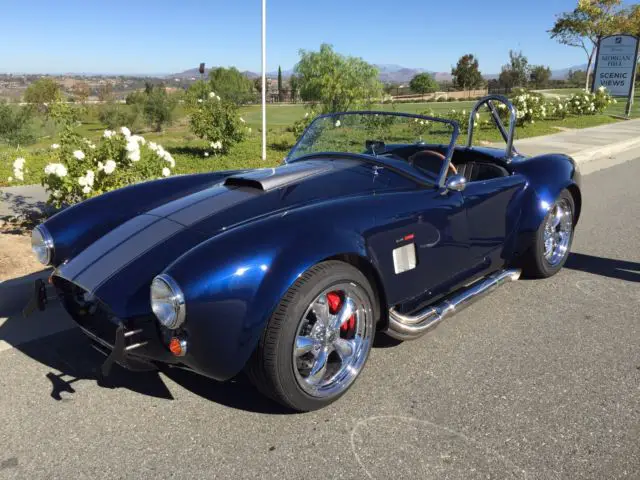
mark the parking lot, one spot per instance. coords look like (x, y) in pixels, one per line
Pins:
(539, 380)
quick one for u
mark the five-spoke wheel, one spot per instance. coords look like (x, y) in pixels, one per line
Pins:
(552, 243)
(331, 339)
(318, 339)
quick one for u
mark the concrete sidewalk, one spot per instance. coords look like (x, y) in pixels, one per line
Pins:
(587, 143)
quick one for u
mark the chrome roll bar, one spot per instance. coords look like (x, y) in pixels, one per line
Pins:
(508, 136)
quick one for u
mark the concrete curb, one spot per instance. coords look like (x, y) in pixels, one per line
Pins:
(599, 153)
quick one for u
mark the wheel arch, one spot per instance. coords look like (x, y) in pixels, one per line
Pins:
(575, 192)
(369, 270)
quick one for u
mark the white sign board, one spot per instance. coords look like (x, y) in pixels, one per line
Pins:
(616, 63)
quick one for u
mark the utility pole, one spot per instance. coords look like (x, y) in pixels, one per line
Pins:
(264, 79)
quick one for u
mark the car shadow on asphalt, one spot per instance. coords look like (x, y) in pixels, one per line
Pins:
(606, 267)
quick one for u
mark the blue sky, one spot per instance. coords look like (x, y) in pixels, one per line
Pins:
(162, 36)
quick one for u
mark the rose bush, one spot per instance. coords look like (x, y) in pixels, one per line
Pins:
(81, 169)
(216, 121)
(587, 103)
(299, 126)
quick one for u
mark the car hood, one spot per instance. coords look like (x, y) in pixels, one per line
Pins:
(119, 266)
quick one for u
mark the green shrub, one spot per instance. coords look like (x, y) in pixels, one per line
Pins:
(441, 99)
(299, 126)
(217, 121)
(81, 169)
(587, 103)
(15, 125)
(114, 115)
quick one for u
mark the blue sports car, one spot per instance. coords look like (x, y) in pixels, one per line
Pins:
(376, 222)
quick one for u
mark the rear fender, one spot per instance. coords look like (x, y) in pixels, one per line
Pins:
(547, 176)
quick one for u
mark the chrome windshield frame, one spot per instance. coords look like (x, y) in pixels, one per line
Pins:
(450, 149)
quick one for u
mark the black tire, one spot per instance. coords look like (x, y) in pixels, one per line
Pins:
(272, 367)
(534, 263)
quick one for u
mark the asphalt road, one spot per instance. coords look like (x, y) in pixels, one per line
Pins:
(539, 380)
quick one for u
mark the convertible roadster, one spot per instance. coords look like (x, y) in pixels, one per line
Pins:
(375, 222)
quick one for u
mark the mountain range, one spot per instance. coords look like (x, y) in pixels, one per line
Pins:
(389, 73)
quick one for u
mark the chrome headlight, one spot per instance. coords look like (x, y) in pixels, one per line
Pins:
(167, 301)
(42, 244)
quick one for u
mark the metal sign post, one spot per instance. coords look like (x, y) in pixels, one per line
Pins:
(616, 65)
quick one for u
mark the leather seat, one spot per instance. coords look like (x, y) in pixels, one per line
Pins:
(478, 171)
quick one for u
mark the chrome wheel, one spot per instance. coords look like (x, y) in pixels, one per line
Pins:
(333, 340)
(557, 232)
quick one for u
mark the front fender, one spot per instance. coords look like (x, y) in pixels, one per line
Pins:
(233, 282)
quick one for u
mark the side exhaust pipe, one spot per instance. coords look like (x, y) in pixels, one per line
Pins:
(410, 327)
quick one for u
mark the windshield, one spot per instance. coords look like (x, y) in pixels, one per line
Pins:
(372, 133)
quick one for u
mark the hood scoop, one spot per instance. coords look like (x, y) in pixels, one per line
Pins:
(267, 179)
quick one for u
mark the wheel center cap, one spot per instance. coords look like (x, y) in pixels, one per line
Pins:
(329, 336)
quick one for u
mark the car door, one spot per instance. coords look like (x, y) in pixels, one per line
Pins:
(492, 209)
(420, 241)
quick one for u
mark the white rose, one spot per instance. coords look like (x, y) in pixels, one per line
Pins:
(212, 94)
(60, 170)
(19, 163)
(166, 172)
(55, 146)
(79, 154)
(108, 133)
(19, 175)
(109, 167)
(10, 179)
(206, 154)
(338, 123)
(86, 189)
(125, 131)
(134, 156)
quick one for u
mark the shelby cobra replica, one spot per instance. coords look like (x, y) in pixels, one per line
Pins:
(376, 221)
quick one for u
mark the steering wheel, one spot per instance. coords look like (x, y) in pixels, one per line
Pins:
(431, 161)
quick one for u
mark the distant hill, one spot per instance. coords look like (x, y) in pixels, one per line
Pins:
(389, 73)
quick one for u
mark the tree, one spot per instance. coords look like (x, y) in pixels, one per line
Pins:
(41, 92)
(293, 87)
(81, 91)
(423, 83)
(231, 85)
(15, 125)
(105, 92)
(335, 81)
(280, 90)
(158, 107)
(466, 74)
(590, 20)
(516, 72)
(540, 76)
(577, 78)
(257, 83)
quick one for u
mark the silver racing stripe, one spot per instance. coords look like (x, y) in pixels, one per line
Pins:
(123, 245)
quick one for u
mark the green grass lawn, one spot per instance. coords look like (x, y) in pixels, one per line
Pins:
(189, 151)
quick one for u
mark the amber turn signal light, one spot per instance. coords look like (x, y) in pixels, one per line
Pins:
(178, 346)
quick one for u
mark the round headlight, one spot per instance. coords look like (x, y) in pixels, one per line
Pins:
(167, 301)
(42, 244)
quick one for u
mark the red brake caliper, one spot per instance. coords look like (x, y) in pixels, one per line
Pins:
(335, 302)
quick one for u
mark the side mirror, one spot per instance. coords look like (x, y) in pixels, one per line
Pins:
(457, 183)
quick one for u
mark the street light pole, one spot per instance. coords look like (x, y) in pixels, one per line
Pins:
(264, 79)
